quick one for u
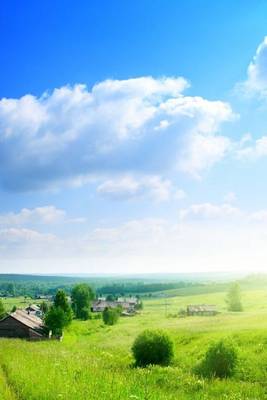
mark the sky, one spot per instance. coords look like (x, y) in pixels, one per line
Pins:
(133, 136)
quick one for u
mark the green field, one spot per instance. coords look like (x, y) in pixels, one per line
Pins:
(94, 361)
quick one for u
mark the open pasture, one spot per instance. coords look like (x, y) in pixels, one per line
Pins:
(94, 361)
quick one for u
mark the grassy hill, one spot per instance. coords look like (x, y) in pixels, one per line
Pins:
(95, 362)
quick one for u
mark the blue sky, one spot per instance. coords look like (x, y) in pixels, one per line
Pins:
(133, 136)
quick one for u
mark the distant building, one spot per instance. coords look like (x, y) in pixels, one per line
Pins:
(101, 305)
(44, 297)
(33, 309)
(201, 309)
(127, 304)
(20, 324)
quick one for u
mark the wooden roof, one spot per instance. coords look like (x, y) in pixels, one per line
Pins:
(201, 308)
(29, 320)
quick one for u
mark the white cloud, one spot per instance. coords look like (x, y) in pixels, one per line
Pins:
(202, 152)
(210, 211)
(148, 245)
(128, 187)
(38, 215)
(230, 197)
(257, 71)
(254, 150)
(144, 125)
(24, 243)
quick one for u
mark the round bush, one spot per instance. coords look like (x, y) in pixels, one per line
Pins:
(220, 360)
(152, 347)
(110, 316)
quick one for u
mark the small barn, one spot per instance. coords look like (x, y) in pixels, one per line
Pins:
(201, 309)
(20, 324)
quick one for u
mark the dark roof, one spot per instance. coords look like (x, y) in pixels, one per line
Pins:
(29, 320)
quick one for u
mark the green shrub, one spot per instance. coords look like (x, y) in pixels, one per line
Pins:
(182, 313)
(110, 316)
(85, 313)
(152, 347)
(220, 360)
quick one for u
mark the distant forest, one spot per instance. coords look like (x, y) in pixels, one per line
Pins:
(33, 286)
(39, 285)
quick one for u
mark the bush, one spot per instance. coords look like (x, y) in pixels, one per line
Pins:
(152, 347)
(182, 313)
(110, 316)
(220, 361)
(85, 313)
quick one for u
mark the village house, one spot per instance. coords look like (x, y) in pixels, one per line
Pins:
(21, 324)
(127, 305)
(201, 309)
(33, 309)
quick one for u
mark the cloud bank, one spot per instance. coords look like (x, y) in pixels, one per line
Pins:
(142, 125)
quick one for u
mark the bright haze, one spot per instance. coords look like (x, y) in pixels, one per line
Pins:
(133, 136)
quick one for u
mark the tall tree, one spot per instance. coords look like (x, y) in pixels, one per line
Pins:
(233, 298)
(61, 301)
(81, 296)
(56, 320)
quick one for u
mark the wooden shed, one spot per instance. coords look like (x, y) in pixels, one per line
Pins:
(20, 324)
(201, 309)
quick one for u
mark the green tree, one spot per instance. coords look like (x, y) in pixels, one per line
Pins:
(111, 315)
(2, 309)
(44, 307)
(110, 297)
(14, 309)
(139, 305)
(81, 296)
(233, 298)
(61, 301)
(56, 320)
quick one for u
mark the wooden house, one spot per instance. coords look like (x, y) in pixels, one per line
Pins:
(127, 306)
(21, 324)
(201, 309)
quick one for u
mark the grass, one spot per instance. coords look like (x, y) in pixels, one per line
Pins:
(95, 362)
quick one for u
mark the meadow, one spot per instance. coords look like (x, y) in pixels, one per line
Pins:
(94, 361)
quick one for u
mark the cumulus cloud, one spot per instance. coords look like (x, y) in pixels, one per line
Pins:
(23, 242)
(143, 124)
(43, 215)
(257, 71)
(202, 152)
(252, 149)
(210, 211)
(128, 187)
